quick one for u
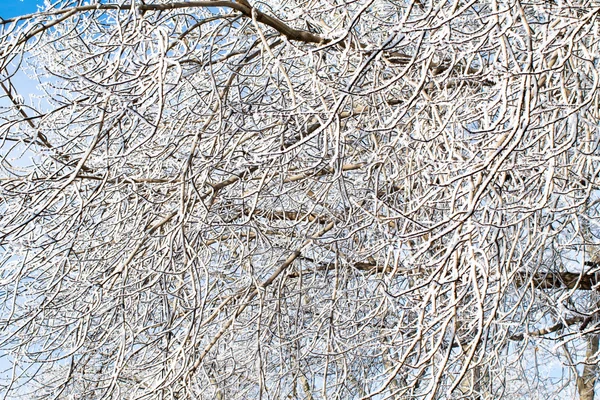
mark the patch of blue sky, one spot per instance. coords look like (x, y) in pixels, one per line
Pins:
(26, 87)
(15, 8)
(15, 156)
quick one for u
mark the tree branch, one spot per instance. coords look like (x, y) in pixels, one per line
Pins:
(558, 280)
(286, 30)
(549, 329)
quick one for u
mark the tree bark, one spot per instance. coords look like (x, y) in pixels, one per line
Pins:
(587, 381)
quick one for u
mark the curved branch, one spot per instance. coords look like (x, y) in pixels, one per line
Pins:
(549, 329)
(275, 23)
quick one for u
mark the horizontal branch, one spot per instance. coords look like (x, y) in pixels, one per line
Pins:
(549, 329)
(365, 266)
(280, 26)
(558, 280)
(299, 35)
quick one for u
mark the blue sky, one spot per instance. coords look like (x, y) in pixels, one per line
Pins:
(25, 86)
(13, 8)
(8, 9)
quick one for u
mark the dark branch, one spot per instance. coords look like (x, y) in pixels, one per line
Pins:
(558, 280)
(291, 33)
(550, 329)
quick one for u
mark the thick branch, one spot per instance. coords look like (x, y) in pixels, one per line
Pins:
(558, 280)
(280, 26)
(549, 329)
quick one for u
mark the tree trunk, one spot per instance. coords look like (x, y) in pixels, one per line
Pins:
(587, 381)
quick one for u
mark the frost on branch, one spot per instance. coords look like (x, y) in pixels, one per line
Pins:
(372, 199)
